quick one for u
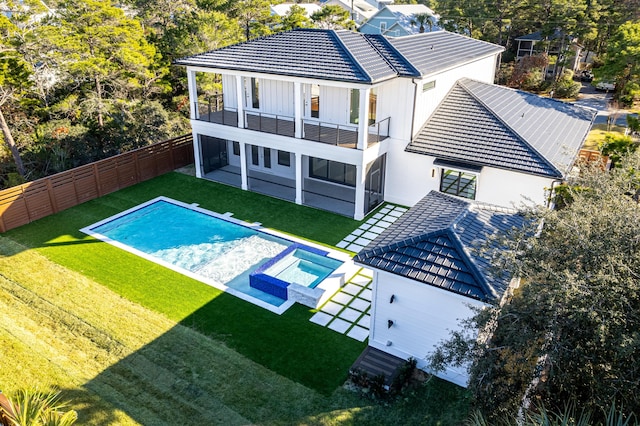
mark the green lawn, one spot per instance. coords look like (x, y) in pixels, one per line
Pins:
(210, 351)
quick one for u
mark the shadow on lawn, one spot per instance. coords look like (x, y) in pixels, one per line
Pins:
(230, 362)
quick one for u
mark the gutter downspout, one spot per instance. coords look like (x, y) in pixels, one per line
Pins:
(550, 204)
(413, 112)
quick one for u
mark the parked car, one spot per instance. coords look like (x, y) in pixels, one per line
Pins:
(606, 86)
(586, 75)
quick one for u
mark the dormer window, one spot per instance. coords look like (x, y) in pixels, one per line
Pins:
(383, 27)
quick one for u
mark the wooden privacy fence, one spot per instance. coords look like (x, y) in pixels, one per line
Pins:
(25, 203)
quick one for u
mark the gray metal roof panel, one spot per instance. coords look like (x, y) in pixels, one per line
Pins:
(491, 125)
(399, 62)
(435, 243)
(367, 55)
(312, 53)
(440, 50)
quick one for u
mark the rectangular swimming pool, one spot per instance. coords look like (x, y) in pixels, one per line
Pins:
(215, 249)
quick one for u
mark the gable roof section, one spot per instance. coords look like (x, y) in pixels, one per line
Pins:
(437, 51)
(490, 125)
(434, 243)
(345, 55)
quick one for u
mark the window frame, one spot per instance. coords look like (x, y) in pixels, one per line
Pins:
(446, 171)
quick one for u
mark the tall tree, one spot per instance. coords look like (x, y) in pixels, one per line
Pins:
(254, 15)
(622, 62)
(570, 332)
(333, 17)
(296, 17)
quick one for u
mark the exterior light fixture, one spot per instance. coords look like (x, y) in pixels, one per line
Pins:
(393, 297)
(389, 323)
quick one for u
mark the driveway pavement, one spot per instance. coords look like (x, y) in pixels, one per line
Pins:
(592, 98)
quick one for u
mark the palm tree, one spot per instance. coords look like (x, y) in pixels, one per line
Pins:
(35, 407)
(423, 18)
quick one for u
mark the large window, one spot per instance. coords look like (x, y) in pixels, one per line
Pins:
(315, 101)
(373, 103)
(236, 148)
(255, 155)
(332, 171)
(267, 157)
(458, 183)
(354, 110)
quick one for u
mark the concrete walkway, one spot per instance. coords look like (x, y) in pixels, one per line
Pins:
(348, 311)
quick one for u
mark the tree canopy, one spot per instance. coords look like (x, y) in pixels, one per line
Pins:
(569, 334)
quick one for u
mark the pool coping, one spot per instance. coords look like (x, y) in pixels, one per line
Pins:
(343, 257)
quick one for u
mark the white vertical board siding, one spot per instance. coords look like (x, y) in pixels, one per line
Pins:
(229, 91)
(395, 100)
(422, 317)
(276, 97)
(509, 189)
(334, 104)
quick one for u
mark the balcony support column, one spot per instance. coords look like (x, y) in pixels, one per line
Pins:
(197, 159)
(243, 166)
(193, 94)
(363, 119)
(298, 161)
(240, 103)
(297, 109)
(360, 185)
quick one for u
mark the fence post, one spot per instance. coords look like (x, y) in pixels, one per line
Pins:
(52, 198)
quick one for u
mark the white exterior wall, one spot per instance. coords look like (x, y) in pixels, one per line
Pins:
(411, 176)
(276, 97)
(229, 91)
(422, 316)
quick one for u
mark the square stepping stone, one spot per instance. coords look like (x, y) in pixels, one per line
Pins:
(358, 333)
(385, 210)
(339, 325)
(359, 304)
(366, 294)
(364, 226)
(350, 315)
(321, 318)
(370, 235)
(377, 229)
(342, 244)
(377, 216)
(352, 289)
(361, 280)
(342, 298)
(372, 221)
(401, 209)
(397, 213)
(357, 232)
(383, 224)
(354, 248)
(331, 308)
(350, 237)
(362, 241)
(365, 322)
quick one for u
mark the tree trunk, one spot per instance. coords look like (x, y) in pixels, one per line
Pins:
(99, 93)
(8, 139)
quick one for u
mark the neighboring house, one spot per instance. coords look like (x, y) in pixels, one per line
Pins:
(558, 46)
(400, 20)
(322, 117)
(428, 275)
(283, 8)
(360, 10)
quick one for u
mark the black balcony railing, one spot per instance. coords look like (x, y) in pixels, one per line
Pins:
(379, 131)
(329, 133)
(212, 110)
(270, 123)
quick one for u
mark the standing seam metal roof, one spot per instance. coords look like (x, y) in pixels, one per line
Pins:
(436, 241)
(490, 125)
(345, 55)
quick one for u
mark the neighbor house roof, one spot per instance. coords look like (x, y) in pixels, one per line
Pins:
(405, 16)
(488, 125)
(345, 55)
(437, 243)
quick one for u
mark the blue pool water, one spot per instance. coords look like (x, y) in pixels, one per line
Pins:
(215, 250)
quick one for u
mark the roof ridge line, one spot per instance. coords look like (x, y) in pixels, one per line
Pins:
(388, 44)
(488, 289)
(335, 35)
(523, 140)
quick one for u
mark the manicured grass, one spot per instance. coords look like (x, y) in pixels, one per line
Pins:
(130, 341)
(597, 134)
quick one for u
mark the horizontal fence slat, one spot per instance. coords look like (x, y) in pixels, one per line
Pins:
(25, 203)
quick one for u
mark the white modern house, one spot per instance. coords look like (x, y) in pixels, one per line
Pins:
(400, 20)
(344, 121)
